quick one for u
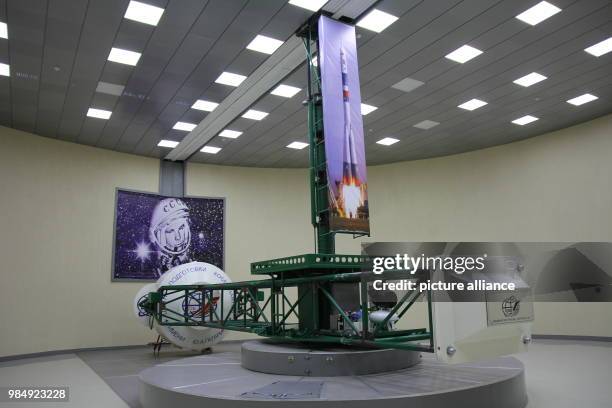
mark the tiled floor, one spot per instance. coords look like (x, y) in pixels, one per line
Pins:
(120, 369)
(86, 388)
(568, 374)
(560, 374)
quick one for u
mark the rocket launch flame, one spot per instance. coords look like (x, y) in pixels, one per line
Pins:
(351, 195)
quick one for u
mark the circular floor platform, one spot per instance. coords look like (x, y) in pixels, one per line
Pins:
(297, 359)
(219, 380)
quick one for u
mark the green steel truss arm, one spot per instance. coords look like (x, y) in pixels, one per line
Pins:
(258, 307)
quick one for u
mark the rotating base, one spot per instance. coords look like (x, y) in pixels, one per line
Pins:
(296, 359)
(219, 380)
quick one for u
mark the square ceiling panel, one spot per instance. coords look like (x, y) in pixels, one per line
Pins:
(59, 69)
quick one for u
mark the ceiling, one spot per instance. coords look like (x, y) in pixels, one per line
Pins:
(57, 51)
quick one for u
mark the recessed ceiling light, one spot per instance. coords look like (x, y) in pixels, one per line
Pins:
(124, 56)
(464, 54)
(297, 145)
(203, 105)
(600, 48)
(538, 13)
(530, 79)
(388, 141)
(312, 5)
(264, 44)
(426, 124)
(98, 113)
(143, 13)
(407, 84)
(365, 109)
(187, 127)
(5, 69)
(210, 149)
(231, 134)
(472, 104)
(286, 91)
(110, 89)
(227, 78)
(168, 143)
(3, 30)
(524, 120)
(582, 99)
(254, 114)
(377, 20)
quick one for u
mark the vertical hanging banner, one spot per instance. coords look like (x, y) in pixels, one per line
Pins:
(343, 127)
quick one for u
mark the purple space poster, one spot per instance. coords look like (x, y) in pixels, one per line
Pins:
(154, 233)
(343, 127)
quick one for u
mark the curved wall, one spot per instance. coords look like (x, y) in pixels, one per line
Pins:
(56, 209)
(57, 218)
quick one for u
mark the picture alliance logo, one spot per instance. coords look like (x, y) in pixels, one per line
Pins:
(511, 306)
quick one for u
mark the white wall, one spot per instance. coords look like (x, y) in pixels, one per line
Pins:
(56, 209)
(555, 187)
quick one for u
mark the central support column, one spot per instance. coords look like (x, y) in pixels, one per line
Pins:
(314, 311)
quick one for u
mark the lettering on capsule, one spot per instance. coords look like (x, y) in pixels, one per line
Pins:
(208, 339)
(223, 279)
(176, 334)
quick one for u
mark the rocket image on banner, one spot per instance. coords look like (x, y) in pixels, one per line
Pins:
(351, 193)
(347, 179)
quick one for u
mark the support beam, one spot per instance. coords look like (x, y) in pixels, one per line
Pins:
(285, 60)
(277, 67)
(171, 178)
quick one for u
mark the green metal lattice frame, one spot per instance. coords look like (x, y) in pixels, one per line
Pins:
(311, 263)
(263, 307)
